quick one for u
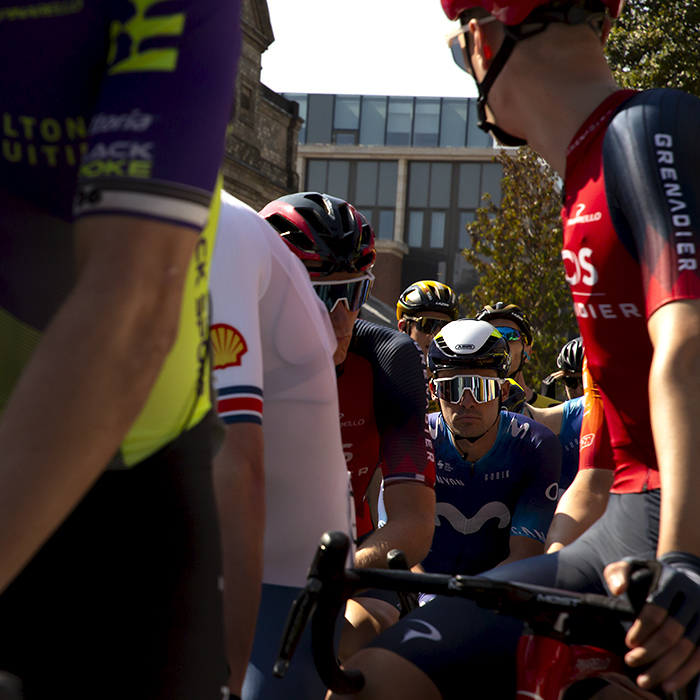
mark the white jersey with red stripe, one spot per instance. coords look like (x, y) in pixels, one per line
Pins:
(273, 341)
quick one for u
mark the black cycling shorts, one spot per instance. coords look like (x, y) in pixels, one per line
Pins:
(460, 646)
(123, 601)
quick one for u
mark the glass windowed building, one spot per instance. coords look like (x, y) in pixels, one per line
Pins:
(417, 168)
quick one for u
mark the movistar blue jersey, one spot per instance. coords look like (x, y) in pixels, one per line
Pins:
(569, 433)
(511, 490)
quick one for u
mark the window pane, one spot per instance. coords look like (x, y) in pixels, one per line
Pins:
(367, 213)
(476, 138)
(426, 124)
(465, 217)
(316, 174)
(388, 178)
(418, 184)
(469, 186)
(491, 181)
(318, 124)
(347, 112)
(345, 138)
(437, 229)
(338, 175)
(373, 121)
(366, 184)
(440, 184)
(415, 229)
(399, 121)
(302, 101)
(386, 224)
(453, 129)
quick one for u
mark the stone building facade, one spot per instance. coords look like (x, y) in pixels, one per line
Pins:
(261, 140)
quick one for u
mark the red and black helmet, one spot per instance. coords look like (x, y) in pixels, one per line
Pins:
(327, 233)
(514, 12)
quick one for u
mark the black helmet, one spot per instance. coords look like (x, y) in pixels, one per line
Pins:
(425, 296)
(510, 311)
(570, 358)
(327, 233)
(469, 344)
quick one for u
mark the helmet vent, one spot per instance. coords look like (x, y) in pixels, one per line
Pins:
(346, 221)
(366, 235)
(281, 224)
(316, 199)
(313, 219)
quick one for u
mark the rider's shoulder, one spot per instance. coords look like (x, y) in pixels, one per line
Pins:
(385, 344)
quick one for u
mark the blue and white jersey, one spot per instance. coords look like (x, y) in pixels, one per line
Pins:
(511, 490)
(571, 419)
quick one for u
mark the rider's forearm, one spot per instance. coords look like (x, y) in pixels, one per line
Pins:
(674, 397)
(239, 479)
(410, 525)
(86, 381)
(580, 506)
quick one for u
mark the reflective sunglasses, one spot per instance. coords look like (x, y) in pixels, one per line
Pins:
(353, 293)
(482, 389)
(510, 334)
(430, 326)
(457, 43)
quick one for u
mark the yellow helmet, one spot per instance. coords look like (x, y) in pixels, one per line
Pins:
(427, 296)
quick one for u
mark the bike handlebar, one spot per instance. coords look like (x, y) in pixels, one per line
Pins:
(330, 585)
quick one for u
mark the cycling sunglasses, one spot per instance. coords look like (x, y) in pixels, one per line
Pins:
(430, 326)
(457, 43)
(482, 389)
(354, 293)
(510, 334)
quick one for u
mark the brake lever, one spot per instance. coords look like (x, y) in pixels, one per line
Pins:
(304, 606)
(327, 565)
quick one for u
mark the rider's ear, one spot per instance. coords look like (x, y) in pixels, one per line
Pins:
(505, 390)
(403, 323)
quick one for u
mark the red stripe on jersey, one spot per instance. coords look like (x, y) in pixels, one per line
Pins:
(240, 403)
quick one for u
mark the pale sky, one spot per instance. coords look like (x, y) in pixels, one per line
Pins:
(366, 47)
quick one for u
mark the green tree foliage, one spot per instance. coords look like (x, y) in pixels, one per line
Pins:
(656, 43)
(516, 249)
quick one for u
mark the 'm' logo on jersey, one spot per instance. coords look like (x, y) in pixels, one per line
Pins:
(468, 526)
(228, 344)
(137, 29)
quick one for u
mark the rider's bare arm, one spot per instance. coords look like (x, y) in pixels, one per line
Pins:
(550, 417)
(239, 480)
(410, 509)
(674, 393)
(580, 506)
(89, 376)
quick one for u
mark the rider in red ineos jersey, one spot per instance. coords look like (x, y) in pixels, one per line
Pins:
(631, 227)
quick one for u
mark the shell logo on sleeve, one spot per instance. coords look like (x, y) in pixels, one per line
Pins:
(228, 344)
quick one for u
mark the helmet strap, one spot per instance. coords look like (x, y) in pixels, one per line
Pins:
(485, 86)
(574, 16)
